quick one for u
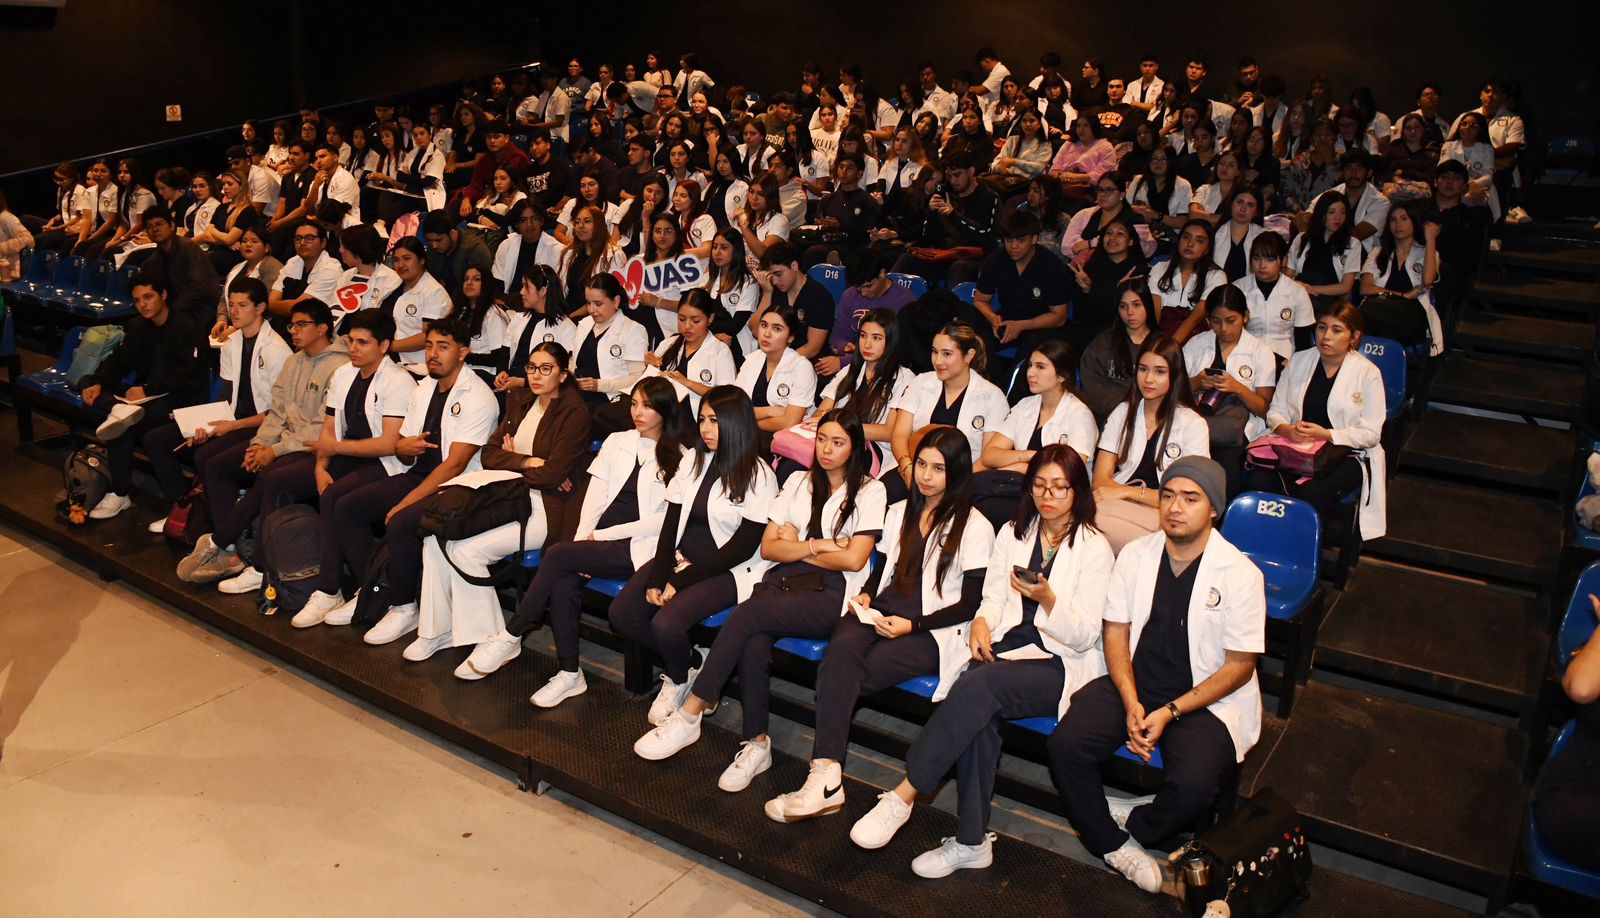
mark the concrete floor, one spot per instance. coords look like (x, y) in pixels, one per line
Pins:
(149, 766)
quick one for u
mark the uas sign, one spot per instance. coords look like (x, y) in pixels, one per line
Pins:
(683, 272)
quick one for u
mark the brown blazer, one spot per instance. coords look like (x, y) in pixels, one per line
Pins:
(562, 441)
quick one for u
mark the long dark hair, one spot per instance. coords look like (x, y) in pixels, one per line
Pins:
(1388, 249)
(1172, 277)
(870, 397)
(1316, 246)
(632, 223)
(1159, 198)
(699, 299)
(951, 512)
(663, 398)
(857, 471)
(1122, 355)
(1178, 393)
(738, 271)
(1083, 508)
(1062, 359)
(475, 311)
(543, 277)
(737, 460)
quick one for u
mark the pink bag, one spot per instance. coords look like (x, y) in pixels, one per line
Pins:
(1302, 460)
(799, 443)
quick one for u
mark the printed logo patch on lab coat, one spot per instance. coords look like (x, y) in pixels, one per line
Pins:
(455, 409)
(1173, 450)
(1245, 372)
(616, 350)
(411, 309)
(783, 390)
(705, 376)
(978, 422)
(1213, 598)
(1357, 397)
(1286, 314)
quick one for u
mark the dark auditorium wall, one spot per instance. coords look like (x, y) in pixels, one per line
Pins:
(1354, 41)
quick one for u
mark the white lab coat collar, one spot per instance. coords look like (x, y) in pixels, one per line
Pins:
(607, 474)
(1357, 407)
(724, 515)
(470, 414)
(266, 360)
(1072, 424)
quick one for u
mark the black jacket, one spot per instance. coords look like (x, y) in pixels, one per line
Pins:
(164, 359)
(192, 283)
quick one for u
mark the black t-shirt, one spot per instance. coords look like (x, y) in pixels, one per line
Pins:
(549, 182)
(1146, 470)
(814, 305)
(1119, 121)
(624, 508)
(856, 211)
(244, 405)
(527, 257)
(697, 544)
(1235, 265)
(948, 414)
(1085, 97)
(1161, 662)
(355, 405)
(588, 363)
(758, 392)
(1314, 407)
(1028, 294)
(1026, 632)
(431, 422)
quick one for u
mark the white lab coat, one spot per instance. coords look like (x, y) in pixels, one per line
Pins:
(1223, 245)
(1071, 628)
(1072, 424)
(711, 365)
(1227, 611)
(1252, 363)
(607, 474)
(983, 407)
(426, 300)
(266, 359)
(794, 507)
(973, 554)
(1189, 437)
(725, 515)
(624, 341)
(794, 383)
(355, 291)
(1414, 266)
(471, 414)
(506, 254)
(388, 395)
(1273, 319)
(1357, 406)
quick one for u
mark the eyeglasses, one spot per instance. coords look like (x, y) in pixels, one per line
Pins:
(1107, 189)
(542, 369)
(1055, 492)
(306, 239)
(302, 325)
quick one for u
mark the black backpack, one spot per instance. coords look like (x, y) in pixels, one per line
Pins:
(87, 475)
(373, 597)
(459, 512)
(289, 556)
(1255, 859)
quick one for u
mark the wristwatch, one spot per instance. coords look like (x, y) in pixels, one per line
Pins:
(1172, 708)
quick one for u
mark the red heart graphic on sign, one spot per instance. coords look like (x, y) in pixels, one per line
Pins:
(633, 280)
(349, 296)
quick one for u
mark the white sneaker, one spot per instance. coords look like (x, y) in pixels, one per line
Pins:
(109, 506)
(422, 648)
(562, 685)
(952, 855)
(875, 829)
(492, 654)
(158, 527)
(395, 624)
(203, 552)
(676, 733)
(753, 758)
(1122, 807)
(247, 581)
(343, 615)
(1135, 863)
(316, 609)
(668, 699)
(821, 795)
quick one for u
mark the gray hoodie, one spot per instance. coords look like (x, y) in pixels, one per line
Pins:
(299, 397)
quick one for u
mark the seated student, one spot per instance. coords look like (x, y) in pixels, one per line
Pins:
(610, 351)
(418, 300)
(312, 274)
(1231, 246)
(1052, 413)
(963, 217)
(1023, 292)
(873, 382)
(781, 384)
(953, 394)
(1111, 206)
(1368, 207)
(450, 252)
(734, 292)
(921, 594)
(544, 438)
(724, 195)
(253, 258)
(1211, 198)
(783, 283)
(693, 360)
(1333, 394)
(1469, 145)
(1079, 164)
(617, 526)
(637, 215)
(847, 208)
(1159, 194)
(1108, 364)
(366, 281)
(1192, 691)
(1033, 643)
(448, 418)
(708, 555)
(525, 246)
(1280, 311)
(535, 313)
(870, 288)
(838, 507)
(1232, 373)
(160, 351)
(1567, 791)
(334, 199)
(1462, 228)
(1116, 260)
(761, 221)
(1325, 260)
(1404, 268)
(591, 193)
(1178, 289)
(249, 364)
(190, 279)
(658, 313)
(361, 405)
(478, 304)
(491, 213)
(1150, 430)
(694, 225)
(590, 254)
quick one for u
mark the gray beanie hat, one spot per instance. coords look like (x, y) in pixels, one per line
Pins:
(1204, 472)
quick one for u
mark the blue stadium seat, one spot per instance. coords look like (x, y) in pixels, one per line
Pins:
(607, 587)
(1578, 623)
(117, 300)
(1282, 536)
(804, 648)
(718, 620)
(916, 285)
(831, 277)
(531, 558)
(41, 271)
(63, 284)
(1582, 536)
(965, 292)
(91, 286)
(921, 686)
(1390, 357)
(53, 381)
(1541, 863)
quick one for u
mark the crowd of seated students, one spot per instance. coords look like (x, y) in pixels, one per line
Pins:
(1168, 269)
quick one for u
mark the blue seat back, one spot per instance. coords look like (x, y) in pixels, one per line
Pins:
(119, 285)
(965, 292)
(8, 336)
(94, 277)
(67, 272)
(40, 263)
(831, 277)
(911, 282)
(1282, 535)
(1390, 356)
(1578, 624)
(69, 344)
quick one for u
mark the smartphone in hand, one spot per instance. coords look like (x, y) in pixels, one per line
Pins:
(1025, 575)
